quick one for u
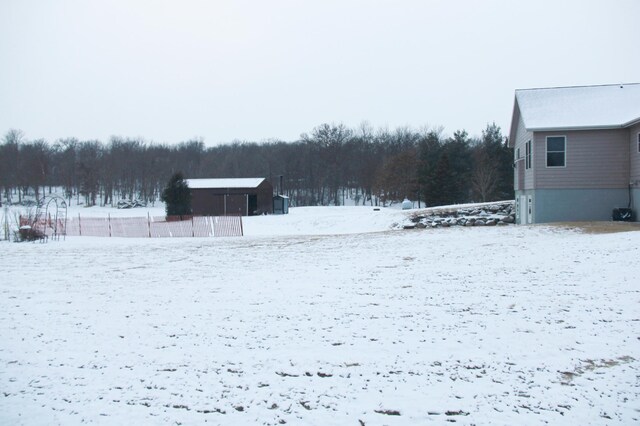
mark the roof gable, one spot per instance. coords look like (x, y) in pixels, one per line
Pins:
(224, 183)
(515, 120)
(581, 107)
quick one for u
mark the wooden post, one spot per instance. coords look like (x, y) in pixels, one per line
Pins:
(79, 225)
(149, 223)
(193, 232)
(109, 221)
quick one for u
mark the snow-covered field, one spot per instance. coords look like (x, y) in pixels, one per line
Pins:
(312, 318)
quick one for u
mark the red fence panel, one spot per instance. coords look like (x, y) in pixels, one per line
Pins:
(159, 228)
(72, 229)
(181, 228)
(227, 226)
(202, 226)
(154, 227)
(137, 227)
(46, 225)
(94, 227)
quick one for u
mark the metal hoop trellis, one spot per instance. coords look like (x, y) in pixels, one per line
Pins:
(56, 225)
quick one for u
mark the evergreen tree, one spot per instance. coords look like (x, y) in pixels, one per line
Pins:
(458, 153)
(429, 150)
(177, 196)
(443, 185)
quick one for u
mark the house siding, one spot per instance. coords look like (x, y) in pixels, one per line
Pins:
(634, 154)
(523, 178)
(562, 205)
(594, 159)
(634, 172)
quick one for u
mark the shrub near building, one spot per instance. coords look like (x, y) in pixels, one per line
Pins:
(177, 196)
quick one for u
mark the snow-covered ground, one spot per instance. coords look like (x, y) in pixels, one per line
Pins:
(312, 318)
(326, 221)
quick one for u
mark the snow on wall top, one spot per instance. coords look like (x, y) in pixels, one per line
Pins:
(224, 183)
(615, 105)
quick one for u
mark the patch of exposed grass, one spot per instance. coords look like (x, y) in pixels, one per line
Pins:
(591, 365)
(597, 227)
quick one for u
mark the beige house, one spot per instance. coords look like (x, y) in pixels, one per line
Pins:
(576, 152)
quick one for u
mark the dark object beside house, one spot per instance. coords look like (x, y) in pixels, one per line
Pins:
(623, 215)
(231, 197)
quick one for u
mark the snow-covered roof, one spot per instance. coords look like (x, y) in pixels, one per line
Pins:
(224, 183)
(580, 107)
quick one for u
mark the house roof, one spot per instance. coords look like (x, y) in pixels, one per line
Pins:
(579, 107)
(224, 183)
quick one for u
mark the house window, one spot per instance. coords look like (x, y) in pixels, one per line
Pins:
(527, 155)
(556, 150)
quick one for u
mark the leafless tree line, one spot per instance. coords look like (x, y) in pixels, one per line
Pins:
(321, 168)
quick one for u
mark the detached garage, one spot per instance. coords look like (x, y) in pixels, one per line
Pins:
(231, 197)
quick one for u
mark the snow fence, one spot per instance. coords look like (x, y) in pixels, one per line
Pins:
(144, 227)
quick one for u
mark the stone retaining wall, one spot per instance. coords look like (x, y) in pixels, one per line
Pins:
(491, 214)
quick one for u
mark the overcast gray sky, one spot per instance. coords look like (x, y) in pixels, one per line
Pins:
(169, 71)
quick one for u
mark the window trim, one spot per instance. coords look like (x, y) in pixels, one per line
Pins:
(546, 151)
(528, 155)
(638, 142)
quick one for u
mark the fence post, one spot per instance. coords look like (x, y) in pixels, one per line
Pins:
(79, 225)
(241, 230)
(193, 232)
(149, 223)
(109, 221)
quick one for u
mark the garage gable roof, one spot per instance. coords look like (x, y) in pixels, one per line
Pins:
(224, 183)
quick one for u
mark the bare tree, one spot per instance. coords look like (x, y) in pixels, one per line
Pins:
(90, 170)
(398, 178)
(65, 152)
(9, 158)
(322, 167)
(328, 141)
(492, 172)
(484, 179)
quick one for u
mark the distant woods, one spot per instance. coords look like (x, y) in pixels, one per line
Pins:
(324, 167)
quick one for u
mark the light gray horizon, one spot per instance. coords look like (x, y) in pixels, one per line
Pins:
(243, 70)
